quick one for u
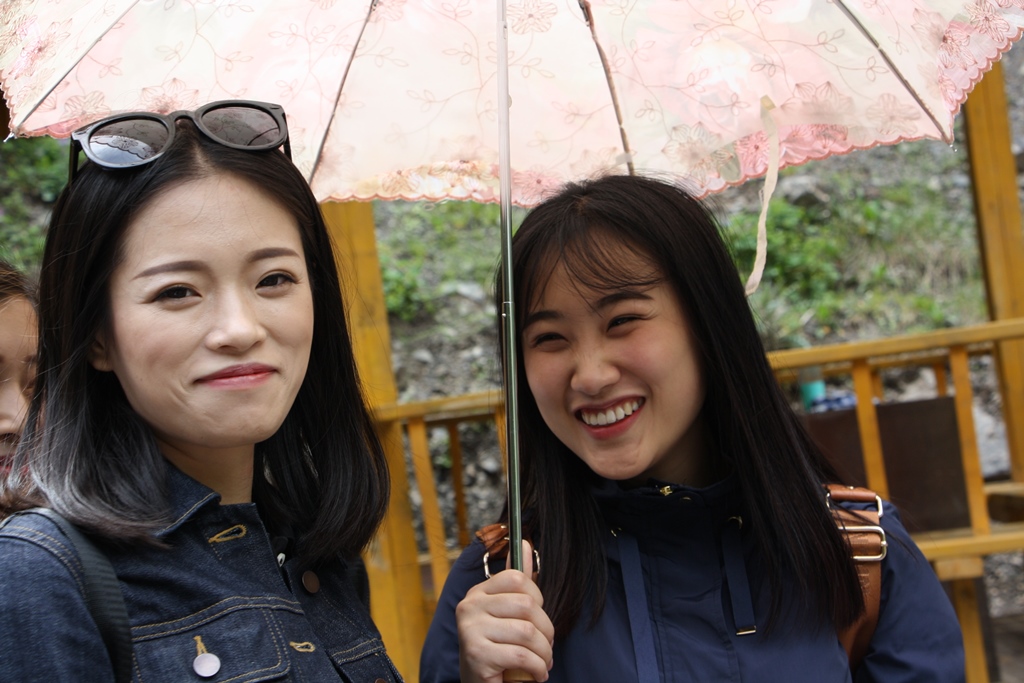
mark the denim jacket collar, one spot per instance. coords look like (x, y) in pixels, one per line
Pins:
(186, 497)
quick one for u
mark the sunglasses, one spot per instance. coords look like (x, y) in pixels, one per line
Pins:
(137, 138)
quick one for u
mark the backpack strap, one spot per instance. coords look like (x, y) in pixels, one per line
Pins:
(102, 595)
(868, 545)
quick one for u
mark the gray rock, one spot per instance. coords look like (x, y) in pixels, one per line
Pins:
(423, 355)
(490, 465)
(803, 190)
(468, 290)
(992, 446)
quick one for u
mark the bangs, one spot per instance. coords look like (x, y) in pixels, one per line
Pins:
(594, 258)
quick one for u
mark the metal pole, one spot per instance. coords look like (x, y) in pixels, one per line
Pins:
(508, 319)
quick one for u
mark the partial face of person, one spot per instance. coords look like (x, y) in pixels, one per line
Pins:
(211, 316)
(616, 377)
(18, 342)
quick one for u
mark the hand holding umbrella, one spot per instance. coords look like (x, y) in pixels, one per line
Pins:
(504, 633)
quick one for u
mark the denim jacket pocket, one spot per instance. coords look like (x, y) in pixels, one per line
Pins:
(238, 640)
(365, 661)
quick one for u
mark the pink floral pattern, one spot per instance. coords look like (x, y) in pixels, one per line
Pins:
(531, 16)
(397, 99)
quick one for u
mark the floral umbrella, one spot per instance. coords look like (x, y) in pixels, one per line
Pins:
(392, 99)
(389, 99)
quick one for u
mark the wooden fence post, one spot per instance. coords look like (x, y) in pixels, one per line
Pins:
(997, 208)
(396, 588)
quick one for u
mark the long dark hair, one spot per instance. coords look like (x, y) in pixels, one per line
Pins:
(88, 455)
(754, 432)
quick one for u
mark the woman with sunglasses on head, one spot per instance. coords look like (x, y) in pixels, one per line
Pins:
(199, 416)
(677, 506)
(18, 341)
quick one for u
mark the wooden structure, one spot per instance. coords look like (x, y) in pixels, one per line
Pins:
(402, 605)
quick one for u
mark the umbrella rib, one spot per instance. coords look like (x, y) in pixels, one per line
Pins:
(589, 18)
(341, 89)
(896, 72)
(16, 123)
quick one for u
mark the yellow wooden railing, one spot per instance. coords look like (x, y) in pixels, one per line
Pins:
(955, 554)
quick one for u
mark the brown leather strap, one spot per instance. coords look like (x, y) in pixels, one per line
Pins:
(867, 543)
(495, 540)
(494, 537)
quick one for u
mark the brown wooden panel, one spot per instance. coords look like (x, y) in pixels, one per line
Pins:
(921, 445)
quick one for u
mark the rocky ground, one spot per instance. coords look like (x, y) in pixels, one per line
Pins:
(454, 352)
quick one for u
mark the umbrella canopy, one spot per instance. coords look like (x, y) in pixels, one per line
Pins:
(392, 99)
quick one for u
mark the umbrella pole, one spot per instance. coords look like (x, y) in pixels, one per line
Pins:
(508, 319)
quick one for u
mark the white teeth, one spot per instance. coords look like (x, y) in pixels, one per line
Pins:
(610, 416)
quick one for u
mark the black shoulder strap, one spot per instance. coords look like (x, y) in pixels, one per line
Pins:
(102, 595)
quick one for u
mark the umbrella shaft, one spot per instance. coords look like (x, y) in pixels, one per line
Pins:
(515, 524)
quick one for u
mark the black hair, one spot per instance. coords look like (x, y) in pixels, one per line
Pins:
(754, 431)
(88, 455)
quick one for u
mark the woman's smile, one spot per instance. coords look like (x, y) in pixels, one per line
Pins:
(610, 417)
(242, 376)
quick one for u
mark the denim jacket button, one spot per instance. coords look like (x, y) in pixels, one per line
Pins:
(310, 581)
(380, 680)
(206, 665)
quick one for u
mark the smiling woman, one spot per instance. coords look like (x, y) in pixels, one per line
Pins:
(199, 415)
(618, 379)
(677, 506)
(211, 324)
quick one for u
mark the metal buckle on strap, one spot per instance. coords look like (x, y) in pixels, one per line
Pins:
(487, 567)
(863, 529)
(878, 503)
(883, 543)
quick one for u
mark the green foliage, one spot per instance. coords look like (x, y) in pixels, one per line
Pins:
(877, 260)
(423, 245)
(802, 254)
(403, 294)
(32, 173)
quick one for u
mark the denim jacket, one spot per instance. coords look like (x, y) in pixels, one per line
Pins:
(219, 588)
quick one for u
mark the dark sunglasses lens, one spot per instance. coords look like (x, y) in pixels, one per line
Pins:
(244, 126)
(128, 142)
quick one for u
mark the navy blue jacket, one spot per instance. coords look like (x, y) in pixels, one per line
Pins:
(690, 606)
(216, 588)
